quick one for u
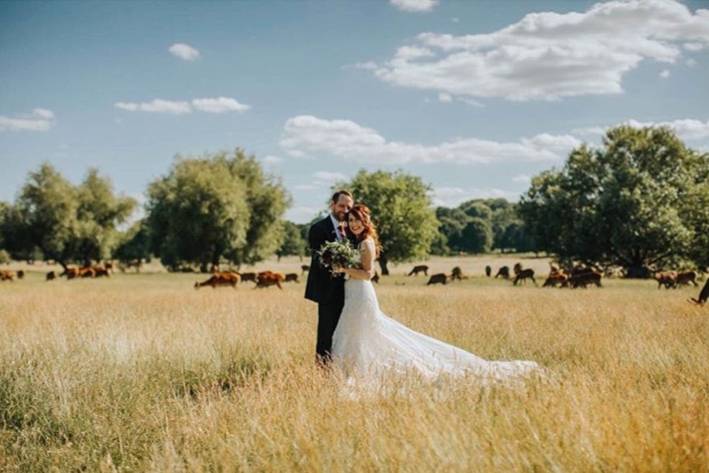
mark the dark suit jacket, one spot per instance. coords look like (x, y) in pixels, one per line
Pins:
(322, 287)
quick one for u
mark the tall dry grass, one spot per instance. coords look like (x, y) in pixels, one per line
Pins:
(143, 373)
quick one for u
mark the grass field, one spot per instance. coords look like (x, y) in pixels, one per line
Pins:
(144, 373)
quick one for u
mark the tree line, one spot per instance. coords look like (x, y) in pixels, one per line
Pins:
(640, 201)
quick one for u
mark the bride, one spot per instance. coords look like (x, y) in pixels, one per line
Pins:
(368, 344)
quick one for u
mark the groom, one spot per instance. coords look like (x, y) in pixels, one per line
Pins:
(327, 290)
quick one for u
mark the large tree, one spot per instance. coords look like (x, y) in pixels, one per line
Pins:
(470, 227)
(46, 212)
(638, 201)
(99, 211)
(293, 242)
(401, 210)
(63, 222)
(215, 207)
(134, 243)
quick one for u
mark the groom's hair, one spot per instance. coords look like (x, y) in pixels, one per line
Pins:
(336, 195)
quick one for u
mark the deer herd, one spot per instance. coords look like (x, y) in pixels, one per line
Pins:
(576, 276)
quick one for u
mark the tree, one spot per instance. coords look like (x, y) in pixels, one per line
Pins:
(46, 214)
(401, 210)
(4, 257)
(134, 243)
(476, 209)
(267, 199)
(452, 222)
(293, 243)
(53, 219)
(634, 202)
(214, 207)
(99, 212)
(476, 236)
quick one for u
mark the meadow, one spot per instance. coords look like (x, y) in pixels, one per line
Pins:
(141, 372)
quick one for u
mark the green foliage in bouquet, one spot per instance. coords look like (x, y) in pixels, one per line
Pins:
(338, 254)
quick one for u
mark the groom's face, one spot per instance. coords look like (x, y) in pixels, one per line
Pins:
(341, 207)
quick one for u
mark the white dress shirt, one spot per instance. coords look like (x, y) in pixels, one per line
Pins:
(336, 224)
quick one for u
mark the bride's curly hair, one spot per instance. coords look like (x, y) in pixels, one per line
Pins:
(362, 213)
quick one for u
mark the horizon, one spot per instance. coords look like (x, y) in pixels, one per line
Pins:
(473, 98)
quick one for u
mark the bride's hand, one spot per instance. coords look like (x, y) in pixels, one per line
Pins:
(339, 269)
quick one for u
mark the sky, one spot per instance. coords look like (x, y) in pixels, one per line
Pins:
(476, 97)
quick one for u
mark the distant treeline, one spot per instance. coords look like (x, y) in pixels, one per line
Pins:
(639, 201)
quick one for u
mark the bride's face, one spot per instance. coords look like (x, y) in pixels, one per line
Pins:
(355, 225)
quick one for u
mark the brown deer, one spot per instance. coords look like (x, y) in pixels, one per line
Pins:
(248, 277)
(422, 268)
(686, 277)
(226, 278)
(503, 272)
(439, 278)
(270, 278)
(666, 278)
(522, 275)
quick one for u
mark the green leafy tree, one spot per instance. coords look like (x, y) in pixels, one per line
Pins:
(635, 202)
(452, 222)
(267, 200)
(46, 214)
(55, 220)
(401, 210)
(476, 237)
(214, 207)
(476, 209)
(293, 243)
(99, 213)
(134, 243)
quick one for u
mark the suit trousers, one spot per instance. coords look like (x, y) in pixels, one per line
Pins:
(328, 316)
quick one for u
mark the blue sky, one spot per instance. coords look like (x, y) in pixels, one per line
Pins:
(475, 97)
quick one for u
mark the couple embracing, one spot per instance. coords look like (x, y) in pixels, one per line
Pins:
(354, 334)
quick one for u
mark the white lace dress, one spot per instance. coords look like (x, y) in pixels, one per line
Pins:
(367, 344)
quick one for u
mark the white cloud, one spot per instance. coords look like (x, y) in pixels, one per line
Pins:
(414, 5)
(687, 128)
(665, 73)
(219, 105)
(550, 55)
(523, 178)
(348, 140)
(40, 119)
(184, 51)
(445, 98)
(693, 46)
(43, 113)
(156, 106)
(455, 19)
(454, 196)
(326, 177)
(180, 107)
(691, 62)
(272, 160)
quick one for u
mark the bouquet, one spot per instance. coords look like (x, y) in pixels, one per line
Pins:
(338, 254)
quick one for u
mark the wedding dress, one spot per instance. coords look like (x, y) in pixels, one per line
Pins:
(368, 345)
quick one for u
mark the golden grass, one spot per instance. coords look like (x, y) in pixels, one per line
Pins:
(144, 373)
